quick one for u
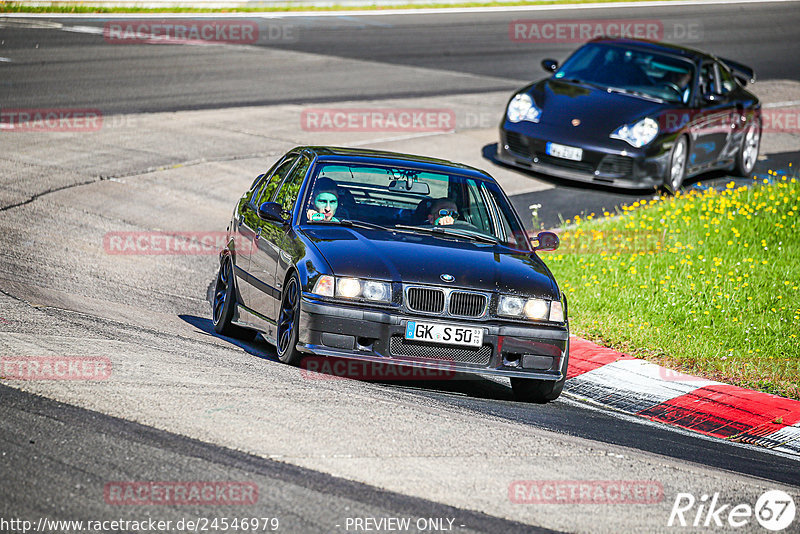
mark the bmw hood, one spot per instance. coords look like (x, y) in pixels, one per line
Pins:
(598, 110)
(423, 259)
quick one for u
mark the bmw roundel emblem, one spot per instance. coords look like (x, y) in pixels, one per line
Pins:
(448, 278)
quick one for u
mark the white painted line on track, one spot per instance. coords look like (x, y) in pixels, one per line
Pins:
(95, 30)
(389, 12)
(396, 138)
(786, 104)
(5, 60)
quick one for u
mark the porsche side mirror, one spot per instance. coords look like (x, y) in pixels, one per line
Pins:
(271, 211)
(550, 65)
(546, 241)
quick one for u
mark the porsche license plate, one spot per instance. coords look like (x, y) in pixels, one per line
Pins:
(564, 151)
(444, 334)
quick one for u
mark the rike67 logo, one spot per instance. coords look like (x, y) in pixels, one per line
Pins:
(774, 510)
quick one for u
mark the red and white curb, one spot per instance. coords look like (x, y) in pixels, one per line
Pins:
(637, 387)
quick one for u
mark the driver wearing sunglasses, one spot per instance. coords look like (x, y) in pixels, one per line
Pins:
(443, 212)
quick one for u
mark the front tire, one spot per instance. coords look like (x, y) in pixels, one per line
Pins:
(748, 152)
(289, 321)
(676, 173)
(224, 302)
(539, 391)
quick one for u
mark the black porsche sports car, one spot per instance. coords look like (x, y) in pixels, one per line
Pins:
(391, 258)
(635, 114)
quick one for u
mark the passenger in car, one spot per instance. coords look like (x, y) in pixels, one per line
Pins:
(324, 201)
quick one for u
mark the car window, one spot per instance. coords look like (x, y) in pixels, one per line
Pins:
(707, 82)
(287, 196)
(476, 211)
(726, 81)
(266, 189)
(409, 198)
(631, 70)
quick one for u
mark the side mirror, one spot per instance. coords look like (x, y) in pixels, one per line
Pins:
(546, 241)
(550, 65)
(271, 211)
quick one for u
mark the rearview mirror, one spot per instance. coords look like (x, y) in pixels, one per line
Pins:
(271, 211)
(410, 186)
(550, 65)
(546, 241)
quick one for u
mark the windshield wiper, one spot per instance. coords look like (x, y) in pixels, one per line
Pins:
(634, 93)
(363, 224)
(438, 230)
(350, 223)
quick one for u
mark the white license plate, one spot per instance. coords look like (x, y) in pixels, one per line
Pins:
(563, 151)
(444, 334)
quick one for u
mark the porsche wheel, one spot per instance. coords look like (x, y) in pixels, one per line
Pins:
(224, 302)
(288, 322)
(748, 153)
(677, 165)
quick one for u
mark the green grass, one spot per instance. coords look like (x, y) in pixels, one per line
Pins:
(56, 7)
(704, 282)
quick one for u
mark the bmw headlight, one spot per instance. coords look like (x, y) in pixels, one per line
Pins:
(639, 134)
(353, 288)
(378, 291)
(521, 108)
(530, 308)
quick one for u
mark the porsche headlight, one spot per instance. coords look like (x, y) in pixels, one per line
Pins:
(521, 108)
(639, 134)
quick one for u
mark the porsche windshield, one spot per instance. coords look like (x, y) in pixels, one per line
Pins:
(408, 199)
(630, 70)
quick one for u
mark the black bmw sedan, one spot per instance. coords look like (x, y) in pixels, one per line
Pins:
(634, 114)
(397, 259)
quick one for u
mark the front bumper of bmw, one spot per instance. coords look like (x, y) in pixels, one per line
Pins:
(509, 349)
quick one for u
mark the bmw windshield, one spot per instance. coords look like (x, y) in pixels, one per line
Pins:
(411, 200)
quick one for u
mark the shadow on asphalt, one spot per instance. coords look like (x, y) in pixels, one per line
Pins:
(258, 347)
(376, 373)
